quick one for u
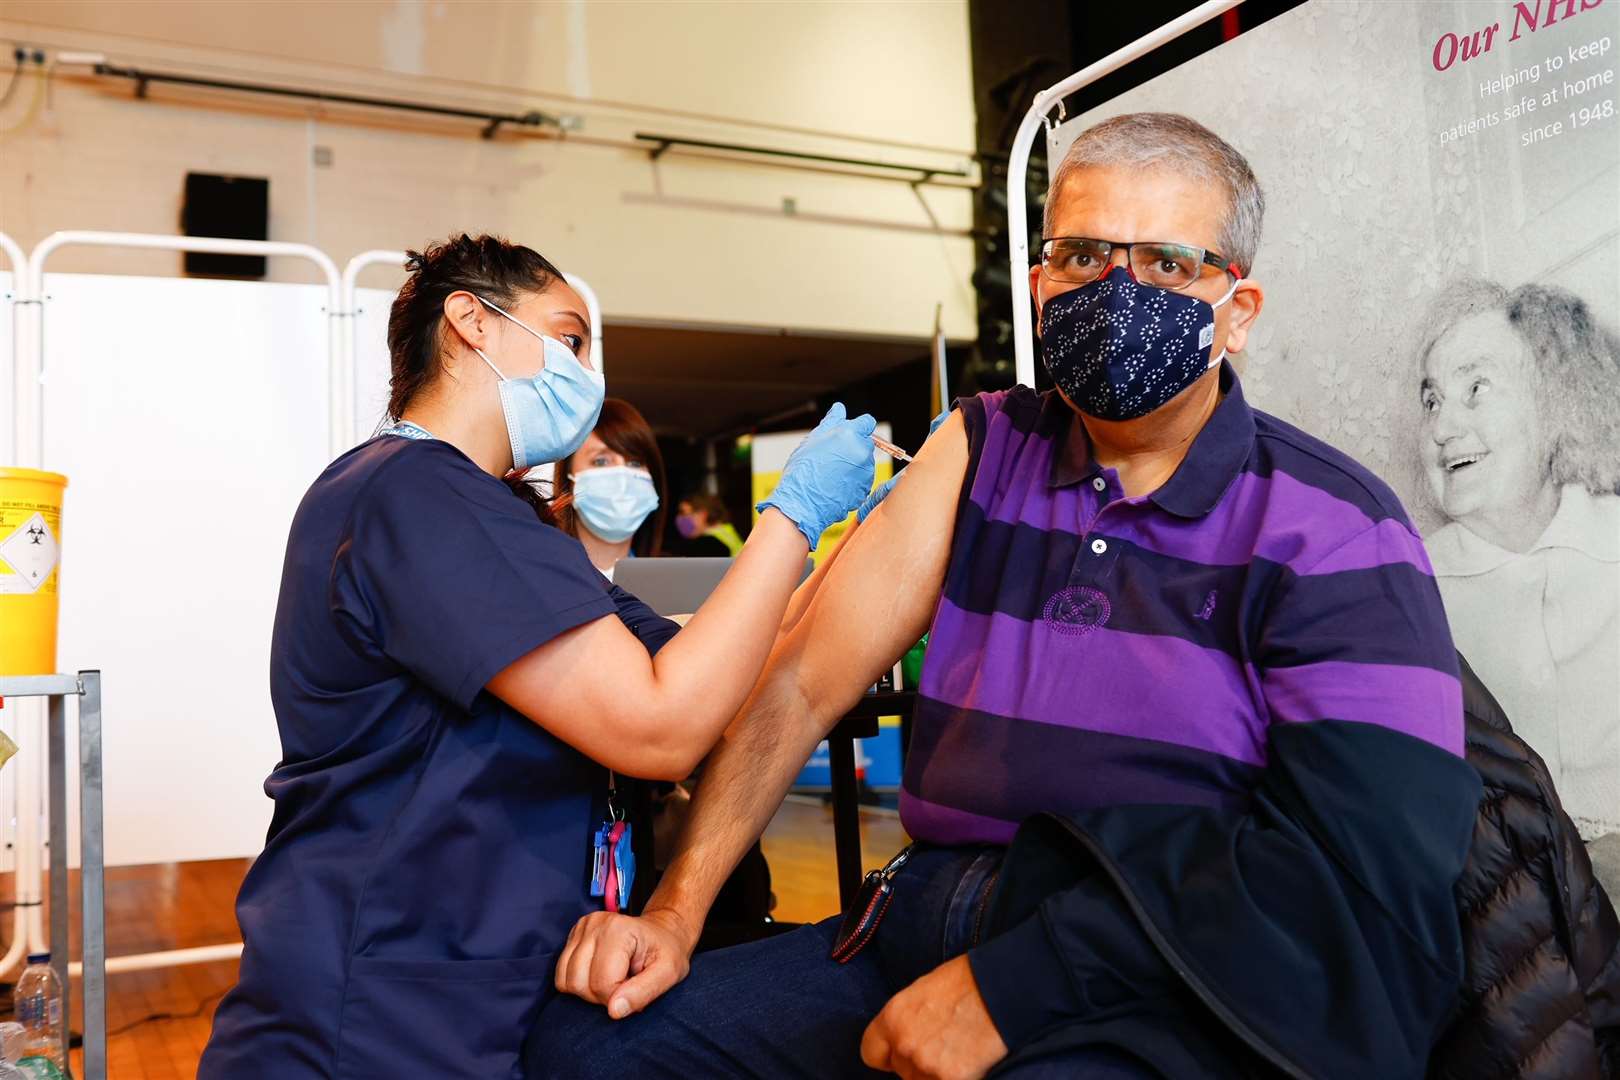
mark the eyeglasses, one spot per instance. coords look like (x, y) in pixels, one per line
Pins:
(1080, 260)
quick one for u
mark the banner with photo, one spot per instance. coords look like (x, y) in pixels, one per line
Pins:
(1441, 263)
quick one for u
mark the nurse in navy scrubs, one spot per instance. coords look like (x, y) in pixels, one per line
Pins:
(453, 682)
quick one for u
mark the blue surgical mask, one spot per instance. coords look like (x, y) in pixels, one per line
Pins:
(548, 416)
(614, 501)
(1119, 349)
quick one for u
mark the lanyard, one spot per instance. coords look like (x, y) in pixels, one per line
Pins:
(404, 429)
(613, 859)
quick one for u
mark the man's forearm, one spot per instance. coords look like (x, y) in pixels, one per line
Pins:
(865, 610)
(746, 778)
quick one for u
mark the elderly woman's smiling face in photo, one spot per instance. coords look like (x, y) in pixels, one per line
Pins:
(1483, 452)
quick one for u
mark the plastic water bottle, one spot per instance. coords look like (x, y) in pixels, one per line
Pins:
(38, 1001)
(12, 1038)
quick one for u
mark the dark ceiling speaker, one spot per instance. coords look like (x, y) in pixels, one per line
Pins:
(233, 207)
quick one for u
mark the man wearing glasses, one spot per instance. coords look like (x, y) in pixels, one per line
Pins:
(1199, 654)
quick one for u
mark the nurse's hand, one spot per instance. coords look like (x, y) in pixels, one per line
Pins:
(827, 475)
(625, 962)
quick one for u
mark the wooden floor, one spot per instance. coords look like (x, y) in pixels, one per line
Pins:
(184, 905)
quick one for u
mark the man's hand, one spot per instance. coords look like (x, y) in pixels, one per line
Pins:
(624, 962)
(935, 1029)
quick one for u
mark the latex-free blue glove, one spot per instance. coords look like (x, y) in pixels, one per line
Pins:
(827, 474)
(879, 493)
(882, 491)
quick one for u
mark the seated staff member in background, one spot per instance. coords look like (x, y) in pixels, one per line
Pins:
(610, 493)
(1198, 653)
(453, 682)
(705, 524)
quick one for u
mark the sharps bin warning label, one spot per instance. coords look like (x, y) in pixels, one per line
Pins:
(28, 553)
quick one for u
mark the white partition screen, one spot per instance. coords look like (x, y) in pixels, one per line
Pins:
(190, 417)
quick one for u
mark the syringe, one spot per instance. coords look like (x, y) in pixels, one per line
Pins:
(889, 448)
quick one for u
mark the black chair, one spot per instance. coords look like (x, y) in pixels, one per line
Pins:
(861, 722)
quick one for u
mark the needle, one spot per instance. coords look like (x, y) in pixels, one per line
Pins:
(889, 448)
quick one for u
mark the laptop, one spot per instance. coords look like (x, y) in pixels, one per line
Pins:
(675, 586)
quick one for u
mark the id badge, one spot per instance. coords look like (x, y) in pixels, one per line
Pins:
(600, 860)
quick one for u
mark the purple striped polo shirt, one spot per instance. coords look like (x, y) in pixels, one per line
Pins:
(1092, 650)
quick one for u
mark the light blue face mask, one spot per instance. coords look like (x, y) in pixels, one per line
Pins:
(549, 415)
(615, 500)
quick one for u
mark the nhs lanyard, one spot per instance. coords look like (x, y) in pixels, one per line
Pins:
(404, 429)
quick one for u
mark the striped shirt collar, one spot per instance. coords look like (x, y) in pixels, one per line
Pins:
(1216, 458)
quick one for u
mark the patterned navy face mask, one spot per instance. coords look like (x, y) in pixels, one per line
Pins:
(1119, 349)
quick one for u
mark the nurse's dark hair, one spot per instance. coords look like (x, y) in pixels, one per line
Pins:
(488, 266)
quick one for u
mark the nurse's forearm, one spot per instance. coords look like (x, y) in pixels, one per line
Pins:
(706, 671)
(596, 688)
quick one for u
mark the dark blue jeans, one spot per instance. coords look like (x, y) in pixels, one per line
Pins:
(780, 1009)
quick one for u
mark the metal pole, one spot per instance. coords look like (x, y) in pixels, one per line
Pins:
(1018, 164)
(493, 120)
(59, 857)
(93, 909)
(32, 730)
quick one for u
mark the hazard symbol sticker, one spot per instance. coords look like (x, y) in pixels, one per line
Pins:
(31, 552)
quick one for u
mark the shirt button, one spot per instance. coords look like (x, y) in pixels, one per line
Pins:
(1099, 546)
(1100, 484)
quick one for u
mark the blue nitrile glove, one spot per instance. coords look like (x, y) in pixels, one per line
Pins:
(879, 493)
(827, 474)
(882, 491)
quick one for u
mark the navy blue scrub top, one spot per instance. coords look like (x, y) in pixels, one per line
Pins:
(430, 845)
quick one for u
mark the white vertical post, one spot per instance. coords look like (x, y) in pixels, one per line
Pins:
(349, 352)
(27, 857)
(25, 709)
(18, 264)
(1045, 101)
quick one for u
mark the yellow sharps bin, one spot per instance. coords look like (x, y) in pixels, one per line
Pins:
(30, 549)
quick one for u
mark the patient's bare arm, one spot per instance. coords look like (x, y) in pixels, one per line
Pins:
(875, 602)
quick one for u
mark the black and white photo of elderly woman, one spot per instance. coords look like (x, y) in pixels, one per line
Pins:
(1520, 444)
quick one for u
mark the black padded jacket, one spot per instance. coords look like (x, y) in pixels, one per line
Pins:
(1541, 990)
